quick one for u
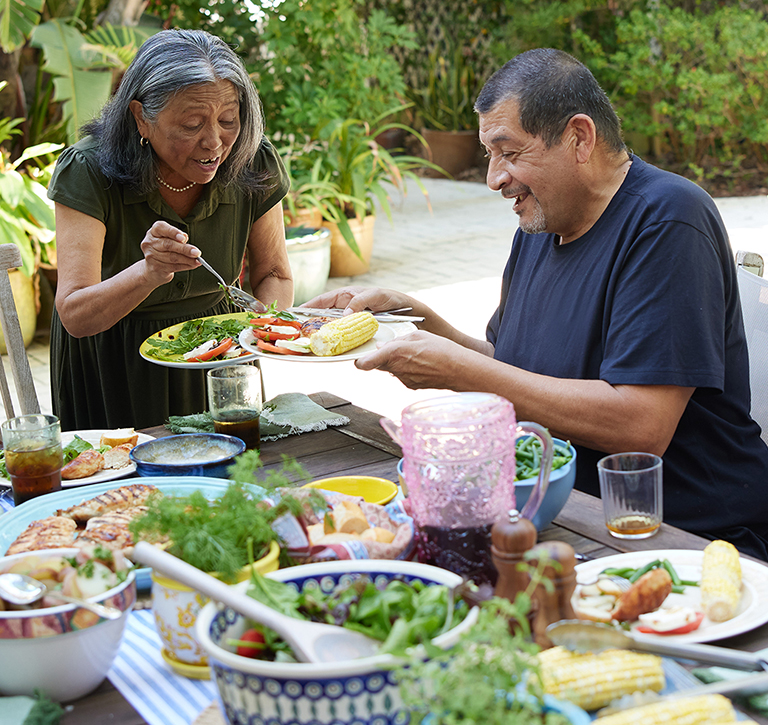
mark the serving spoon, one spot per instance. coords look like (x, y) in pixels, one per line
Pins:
(21, 590)
(310, 641)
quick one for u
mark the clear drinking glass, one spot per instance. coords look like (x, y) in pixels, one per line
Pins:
(631, 489)
(33, 455)
(235, 402)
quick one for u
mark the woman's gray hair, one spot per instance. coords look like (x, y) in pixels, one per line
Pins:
(166, 64)
(551, 87)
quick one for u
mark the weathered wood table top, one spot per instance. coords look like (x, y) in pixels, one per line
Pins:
(363, 448)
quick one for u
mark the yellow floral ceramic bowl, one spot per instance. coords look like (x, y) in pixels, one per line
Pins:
(370, 489)
(175, 607)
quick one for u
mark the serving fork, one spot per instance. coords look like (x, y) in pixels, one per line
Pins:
(235, 294)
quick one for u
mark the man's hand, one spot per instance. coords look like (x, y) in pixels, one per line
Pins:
(357, 299)
(166, 252)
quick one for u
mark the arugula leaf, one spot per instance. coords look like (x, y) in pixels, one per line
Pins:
(75, 448)
(192, 334)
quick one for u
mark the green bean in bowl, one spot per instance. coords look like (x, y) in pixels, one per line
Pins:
(561, 478)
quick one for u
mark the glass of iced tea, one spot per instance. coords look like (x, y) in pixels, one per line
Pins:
(33, 457)
(234, 401)
(630, 486)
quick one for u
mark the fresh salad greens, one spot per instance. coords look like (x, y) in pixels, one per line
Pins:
(528, 456)
(399, 614)
(73, 449)
(191, 335)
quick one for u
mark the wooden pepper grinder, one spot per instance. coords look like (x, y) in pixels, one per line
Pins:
(556, 605)
(510, 539)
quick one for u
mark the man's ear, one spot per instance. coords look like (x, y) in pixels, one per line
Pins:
(582, 134)
(138, 113)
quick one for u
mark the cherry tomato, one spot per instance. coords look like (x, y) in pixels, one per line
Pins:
(266, 334)
(251, 635)
(690, 627)
(263, 345)
(222, 347)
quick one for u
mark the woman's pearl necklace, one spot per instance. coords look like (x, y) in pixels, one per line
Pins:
(173, 188)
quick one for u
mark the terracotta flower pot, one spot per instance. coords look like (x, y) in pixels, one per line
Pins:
(176, 606)
(344, 262)
(454, 151)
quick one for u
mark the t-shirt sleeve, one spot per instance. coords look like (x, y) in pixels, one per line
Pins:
(267, 159)
(78, 184)
(666, 312)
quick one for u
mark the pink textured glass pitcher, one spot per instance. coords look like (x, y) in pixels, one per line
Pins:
(459, 465)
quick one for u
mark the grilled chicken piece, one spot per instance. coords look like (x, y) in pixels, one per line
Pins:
(117, 457)
(111, 530)
(313, 324)
(645, 595)
(53, 532)
(118, 499)
(86, 464)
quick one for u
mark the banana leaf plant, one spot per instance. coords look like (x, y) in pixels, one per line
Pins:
(17, 20)
(26, 214)
(345, 170)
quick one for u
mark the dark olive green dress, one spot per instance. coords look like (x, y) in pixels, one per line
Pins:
(101, 381)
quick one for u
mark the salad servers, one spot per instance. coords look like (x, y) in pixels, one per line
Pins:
(310, 641)
(383, 316)
(238, 296)
(21, 590)
(585, 636)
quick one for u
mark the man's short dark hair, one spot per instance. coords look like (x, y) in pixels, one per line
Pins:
(550, 88)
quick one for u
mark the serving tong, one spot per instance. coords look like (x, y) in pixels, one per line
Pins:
(235, 294)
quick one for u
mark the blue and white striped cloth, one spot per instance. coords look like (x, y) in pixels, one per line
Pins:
(6, 499)
(141, 676)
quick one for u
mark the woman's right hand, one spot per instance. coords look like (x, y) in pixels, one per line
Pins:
(166, 251)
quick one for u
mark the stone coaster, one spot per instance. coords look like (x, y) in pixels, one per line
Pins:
(210, 716)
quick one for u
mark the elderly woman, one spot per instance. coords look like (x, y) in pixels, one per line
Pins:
(175, 168)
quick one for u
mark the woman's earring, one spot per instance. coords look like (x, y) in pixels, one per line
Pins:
(143, 141)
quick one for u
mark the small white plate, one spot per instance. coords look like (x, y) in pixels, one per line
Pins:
(387, 331)
(108, 474)
(752, 610)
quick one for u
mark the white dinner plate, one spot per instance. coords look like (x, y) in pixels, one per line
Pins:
(108, 474)
(387, 331)
(752, 610)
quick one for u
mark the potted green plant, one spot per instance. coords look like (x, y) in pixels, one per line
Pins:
(342, 174)
(26, 218)
(445, 106)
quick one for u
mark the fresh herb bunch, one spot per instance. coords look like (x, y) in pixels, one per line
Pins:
(528, 452)
(192, 334)
(213, 535)
(399, 614)
(470, 683)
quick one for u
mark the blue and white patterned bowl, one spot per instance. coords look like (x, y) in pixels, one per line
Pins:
(353, 692)
(187, 454)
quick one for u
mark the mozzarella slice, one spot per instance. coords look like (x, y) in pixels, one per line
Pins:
(665, 620)
(282, 329)
(200, 349)
(300, 344)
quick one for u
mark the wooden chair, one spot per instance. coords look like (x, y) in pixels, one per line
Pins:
(753, 291)
(10, 258)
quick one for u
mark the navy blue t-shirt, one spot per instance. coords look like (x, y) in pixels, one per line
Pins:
(648, 296)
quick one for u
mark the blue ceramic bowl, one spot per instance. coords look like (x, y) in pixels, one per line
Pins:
(188, 454)
(350, 692)
(560, 486)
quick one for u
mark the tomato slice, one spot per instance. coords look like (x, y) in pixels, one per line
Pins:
(222, 347)
(271, 335)
(261, 321)
(690, 627)
(251, 635)
(267, 347)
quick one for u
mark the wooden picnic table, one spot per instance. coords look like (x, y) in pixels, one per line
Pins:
(362, 447)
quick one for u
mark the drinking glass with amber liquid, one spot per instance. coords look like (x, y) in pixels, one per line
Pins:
(631, 489)
(235, 402)
(33, 455)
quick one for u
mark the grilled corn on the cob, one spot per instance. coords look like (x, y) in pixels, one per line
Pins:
(685, 711)
(343, 334)
(720, 581)
(593, 680)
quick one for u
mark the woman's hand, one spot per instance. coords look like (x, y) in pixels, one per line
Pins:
(166, 251)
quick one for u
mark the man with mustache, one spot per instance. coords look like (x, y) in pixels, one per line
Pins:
(619, 326)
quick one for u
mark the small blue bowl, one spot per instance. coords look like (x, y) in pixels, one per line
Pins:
(560, 486)
(188, 454)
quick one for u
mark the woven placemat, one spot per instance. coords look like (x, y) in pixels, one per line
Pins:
(210, 716)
